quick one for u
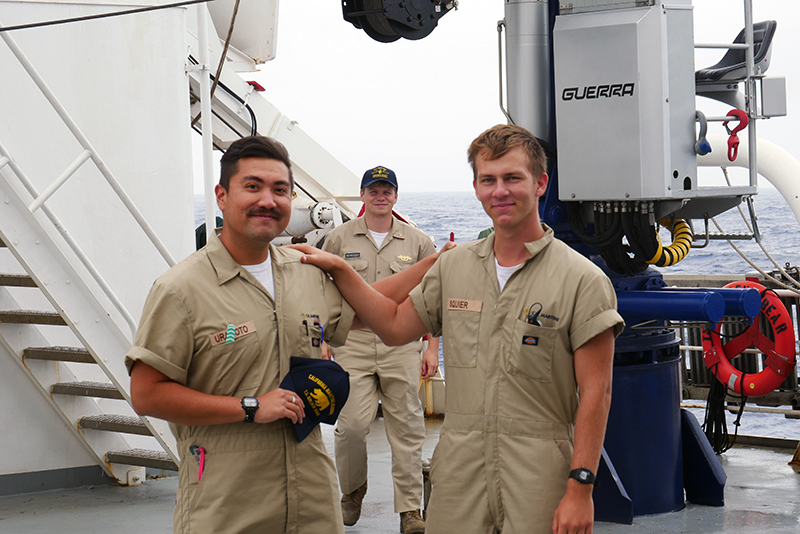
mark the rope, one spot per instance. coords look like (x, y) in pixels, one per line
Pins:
(761, 245)
(715, 424)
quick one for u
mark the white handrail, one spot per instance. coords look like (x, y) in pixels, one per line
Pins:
(84, 142)
(750, 92)
(84, 259)
(205, 120)
(61, 180)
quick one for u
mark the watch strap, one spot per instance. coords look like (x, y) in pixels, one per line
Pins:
(250, 407)
(584, 476)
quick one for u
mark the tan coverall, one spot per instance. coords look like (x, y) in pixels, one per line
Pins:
(503, 458)
(257, 477)
(393, 373)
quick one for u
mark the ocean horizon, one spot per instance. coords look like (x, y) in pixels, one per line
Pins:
(438, 214)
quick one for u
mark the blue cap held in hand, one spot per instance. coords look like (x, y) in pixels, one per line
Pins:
(322, 385)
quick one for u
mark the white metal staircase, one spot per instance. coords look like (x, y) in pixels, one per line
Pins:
(85, 383)
(73, 379)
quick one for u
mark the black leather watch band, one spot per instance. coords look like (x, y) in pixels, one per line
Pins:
(584, 476)
(250, 407)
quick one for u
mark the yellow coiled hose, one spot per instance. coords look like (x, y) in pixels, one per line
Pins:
(681, 243)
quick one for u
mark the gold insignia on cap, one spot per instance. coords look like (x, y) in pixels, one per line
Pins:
(380, 172)
(404, 258)
(320, 398)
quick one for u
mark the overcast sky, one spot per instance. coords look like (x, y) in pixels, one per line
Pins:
(414, 106)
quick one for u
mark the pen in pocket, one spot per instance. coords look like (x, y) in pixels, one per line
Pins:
(200, 454)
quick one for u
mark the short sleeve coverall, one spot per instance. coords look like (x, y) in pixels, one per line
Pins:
(375, 369)
(256, 477)
(503, 458)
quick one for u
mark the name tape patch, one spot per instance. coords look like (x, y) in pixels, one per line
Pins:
(232, 333)
(466, 305)
(349, 255)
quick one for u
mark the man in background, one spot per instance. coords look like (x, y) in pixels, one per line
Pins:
(376, 246)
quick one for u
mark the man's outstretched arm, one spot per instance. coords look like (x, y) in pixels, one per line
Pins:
(383, 307)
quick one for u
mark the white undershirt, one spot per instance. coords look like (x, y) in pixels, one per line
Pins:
(263, 273)
(504, 273)
(378, 237)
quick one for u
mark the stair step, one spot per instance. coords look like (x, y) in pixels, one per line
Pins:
(60, 354)
(115, 423)
(31, 317)
(142, 457)
(86, 389)
(16, 280)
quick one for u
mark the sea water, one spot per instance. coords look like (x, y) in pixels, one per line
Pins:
(438, 214)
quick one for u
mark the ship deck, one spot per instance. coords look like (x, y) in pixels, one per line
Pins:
(762, 494)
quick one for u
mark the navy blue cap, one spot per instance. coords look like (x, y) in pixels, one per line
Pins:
(379, 174)
(322, 385)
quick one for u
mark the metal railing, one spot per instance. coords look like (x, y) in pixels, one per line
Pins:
(88, 153)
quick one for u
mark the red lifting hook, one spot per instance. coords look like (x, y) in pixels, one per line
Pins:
(733, 140)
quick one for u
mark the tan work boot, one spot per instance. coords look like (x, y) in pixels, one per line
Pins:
(411, 522)
(351, 505)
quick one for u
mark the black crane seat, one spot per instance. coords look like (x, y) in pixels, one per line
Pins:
(732, 67)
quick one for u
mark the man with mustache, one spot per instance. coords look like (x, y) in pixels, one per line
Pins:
(378, 245)
(214, 342)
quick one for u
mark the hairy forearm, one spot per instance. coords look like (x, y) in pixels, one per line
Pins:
(590, 427)
(398, 286)
(154, 394)
(593, 364)
(376, 310)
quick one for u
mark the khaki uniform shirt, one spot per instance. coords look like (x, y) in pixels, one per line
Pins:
(511, 397)
(256, 476)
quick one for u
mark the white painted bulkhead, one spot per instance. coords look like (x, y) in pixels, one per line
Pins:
(123, 81)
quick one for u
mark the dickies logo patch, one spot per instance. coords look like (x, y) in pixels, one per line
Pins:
(351, 255)
(531, 341)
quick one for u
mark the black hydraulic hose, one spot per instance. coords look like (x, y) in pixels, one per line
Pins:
(632, 231)
(606, 235)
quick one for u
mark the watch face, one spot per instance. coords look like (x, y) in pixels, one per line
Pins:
(250, 402)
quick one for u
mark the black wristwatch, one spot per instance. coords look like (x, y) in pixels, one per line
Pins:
(250, 406)
(584, 476)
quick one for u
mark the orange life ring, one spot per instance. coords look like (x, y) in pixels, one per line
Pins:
(780, 353)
